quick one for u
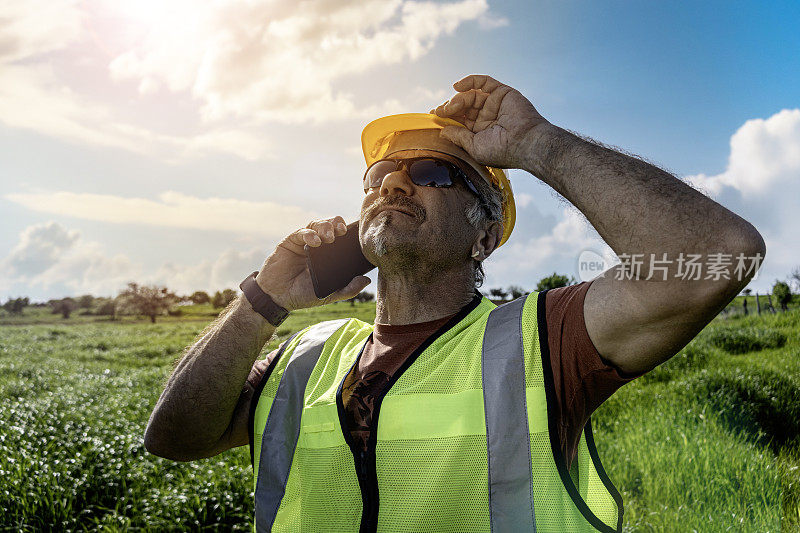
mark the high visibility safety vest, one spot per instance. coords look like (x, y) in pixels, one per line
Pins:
(461, 442)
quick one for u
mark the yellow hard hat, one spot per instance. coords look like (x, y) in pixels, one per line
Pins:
(376, 140)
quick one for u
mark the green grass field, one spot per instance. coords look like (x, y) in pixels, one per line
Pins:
(707, 442)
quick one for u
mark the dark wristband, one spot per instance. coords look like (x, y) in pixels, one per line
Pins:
(262, 303)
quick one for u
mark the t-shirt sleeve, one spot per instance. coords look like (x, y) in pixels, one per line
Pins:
(260, 368)
(582, 378)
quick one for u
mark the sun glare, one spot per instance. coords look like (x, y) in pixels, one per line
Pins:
(155, 12)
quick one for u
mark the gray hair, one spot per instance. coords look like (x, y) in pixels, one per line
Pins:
(482, 212)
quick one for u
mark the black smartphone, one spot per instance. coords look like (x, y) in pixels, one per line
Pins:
(333, 265)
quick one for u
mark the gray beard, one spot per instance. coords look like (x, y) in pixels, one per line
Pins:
(380, 245)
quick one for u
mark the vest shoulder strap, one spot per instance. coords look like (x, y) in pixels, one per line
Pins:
(283, 423)
(507, 436)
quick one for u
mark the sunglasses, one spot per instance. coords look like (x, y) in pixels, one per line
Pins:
(424, 171)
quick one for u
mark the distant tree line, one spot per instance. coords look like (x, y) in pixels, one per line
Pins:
(553, 281)
(15, 306)
(152, 301)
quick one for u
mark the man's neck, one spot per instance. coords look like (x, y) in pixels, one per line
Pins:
(415, 298)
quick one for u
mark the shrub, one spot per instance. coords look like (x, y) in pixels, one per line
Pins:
(743, 340)
(759, 404)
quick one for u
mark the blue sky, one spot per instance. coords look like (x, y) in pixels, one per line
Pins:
(176, 143)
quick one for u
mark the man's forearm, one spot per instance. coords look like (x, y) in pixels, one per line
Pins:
(196, 407)
(635, 207)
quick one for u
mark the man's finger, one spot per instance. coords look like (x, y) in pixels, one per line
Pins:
(472, 99)
(303, 237)
(325, 229)
(459, 136)
(482, 82)
(454, 105)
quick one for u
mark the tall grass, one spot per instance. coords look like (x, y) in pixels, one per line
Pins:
(706, 442)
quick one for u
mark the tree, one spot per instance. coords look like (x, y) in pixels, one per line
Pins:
(107, 307)
(516, 291)
(65, 306)
(499, 294)
(362, 296)
(216, 300)
(794, 277)
(85, 301)
(15, 306)
(222, 299)
(554, 281)
(199, 297)
(148, 300)
(228, 295)
(782, 293)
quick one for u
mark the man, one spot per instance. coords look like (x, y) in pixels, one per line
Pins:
(484, 410)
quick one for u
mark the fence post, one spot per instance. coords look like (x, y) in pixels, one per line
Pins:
(769, 298)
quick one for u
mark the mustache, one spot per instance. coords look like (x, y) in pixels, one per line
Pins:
(400, 202)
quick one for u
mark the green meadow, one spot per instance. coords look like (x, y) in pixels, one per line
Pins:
(707, 442)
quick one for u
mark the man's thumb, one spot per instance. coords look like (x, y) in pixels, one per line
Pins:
(356, 285)
(459, 136)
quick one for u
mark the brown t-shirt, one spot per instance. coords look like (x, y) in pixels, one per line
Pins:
(582, 379)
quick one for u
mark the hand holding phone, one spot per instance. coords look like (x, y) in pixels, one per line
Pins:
(286, 274)
(334, 265)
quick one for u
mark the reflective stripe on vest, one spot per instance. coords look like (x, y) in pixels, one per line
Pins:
(507, 437)
(283, 423)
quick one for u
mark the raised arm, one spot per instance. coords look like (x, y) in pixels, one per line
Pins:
(637, 316)
(203, 409)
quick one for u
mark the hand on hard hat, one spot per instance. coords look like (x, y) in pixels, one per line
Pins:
(498, 121)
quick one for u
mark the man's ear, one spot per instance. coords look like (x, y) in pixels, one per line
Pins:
(488, 241)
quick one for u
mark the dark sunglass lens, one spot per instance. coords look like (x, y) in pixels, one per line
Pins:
(376, 173)
(431, 173)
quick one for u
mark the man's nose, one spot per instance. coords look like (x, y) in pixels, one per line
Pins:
(397, 182)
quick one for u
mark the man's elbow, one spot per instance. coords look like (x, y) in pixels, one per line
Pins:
(154, 443)
(159, 443)
(748, 242)
(747, 249)
(744, 250)
(169, 445)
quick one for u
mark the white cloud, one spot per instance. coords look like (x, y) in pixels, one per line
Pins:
(570, 236)
(522, 199)
(61, 263)
(764, 153)
(34, 27)
(235, 63)
(39, 248)
(173, 209)
(226, 271)
(526, 261)
(48, 255)
(282, 62)
(33, 98)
